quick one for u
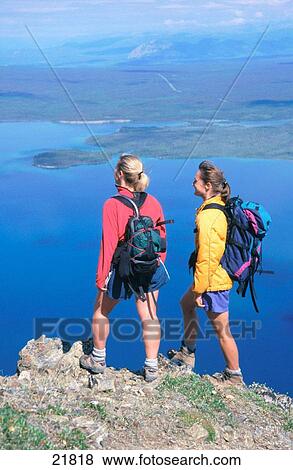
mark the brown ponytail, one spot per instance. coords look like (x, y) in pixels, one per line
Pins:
(210, 173)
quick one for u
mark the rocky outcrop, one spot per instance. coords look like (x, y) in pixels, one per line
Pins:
(51, 403)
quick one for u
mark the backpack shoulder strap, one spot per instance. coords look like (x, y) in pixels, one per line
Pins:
(127, 201)
(214, 205)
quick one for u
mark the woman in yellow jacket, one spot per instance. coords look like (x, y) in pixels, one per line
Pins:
(212, 284)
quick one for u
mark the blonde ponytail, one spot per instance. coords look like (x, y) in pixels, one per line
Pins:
(134, 175)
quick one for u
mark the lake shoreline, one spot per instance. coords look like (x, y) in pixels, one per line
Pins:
(64, 166)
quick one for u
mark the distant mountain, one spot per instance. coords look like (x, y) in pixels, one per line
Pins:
(191, 48)
(149, 49)
(188, 50)
(152, 49)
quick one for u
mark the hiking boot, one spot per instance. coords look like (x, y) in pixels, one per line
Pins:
(183, 357)
(228, 377)
(88, 363)
(150, 373)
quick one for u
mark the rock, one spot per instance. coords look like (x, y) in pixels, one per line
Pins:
(125, 405)
(41, 354)
(229, 397)
(63, 420)
(25, 376)
(102, 382)
(148, 390)
(197, 432)
(12, 382)
(76, 350)
(247, 441)
(70, 360)
(54, 392)
(270, 396)
(83, 422)
(74, 386)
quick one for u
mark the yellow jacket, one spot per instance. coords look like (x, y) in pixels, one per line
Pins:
(210, 246)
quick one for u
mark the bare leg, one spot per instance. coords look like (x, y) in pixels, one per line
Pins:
(221, 326)
(187, 304)
(100, 323)
(147, 312)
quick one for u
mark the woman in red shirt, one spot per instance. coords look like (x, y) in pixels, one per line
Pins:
(131, 181)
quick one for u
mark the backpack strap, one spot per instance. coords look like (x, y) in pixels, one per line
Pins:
(164, 222)
(214, 205)
(127, 201)
(138, 202)
(134, 203)
(243, 288)
(253, 294)
(254, 265)
(140, 294)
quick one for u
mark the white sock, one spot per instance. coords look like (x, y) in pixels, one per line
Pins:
(234, 372)
(153, 363)
(99, 355)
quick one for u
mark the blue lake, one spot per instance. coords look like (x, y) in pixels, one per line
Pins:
(49, 243)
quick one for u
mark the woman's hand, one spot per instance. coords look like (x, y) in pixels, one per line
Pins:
(198, 300)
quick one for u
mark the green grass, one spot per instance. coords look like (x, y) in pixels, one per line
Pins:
(288, 425)
(101, 409)
(200, 393)
(187, 418)
(17, 433)
(211, 433)
(253, 397)
(206, 400)
(73, 439)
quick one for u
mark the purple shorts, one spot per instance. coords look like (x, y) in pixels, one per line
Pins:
(216, 301)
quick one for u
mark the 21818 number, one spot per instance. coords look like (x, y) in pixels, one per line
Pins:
(73, 459)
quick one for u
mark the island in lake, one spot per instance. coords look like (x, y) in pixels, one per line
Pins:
(66, 158)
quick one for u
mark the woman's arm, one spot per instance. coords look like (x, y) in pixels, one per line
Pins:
(108, 243)
(163, 233)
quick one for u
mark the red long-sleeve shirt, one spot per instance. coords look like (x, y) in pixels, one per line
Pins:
(114, 220)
